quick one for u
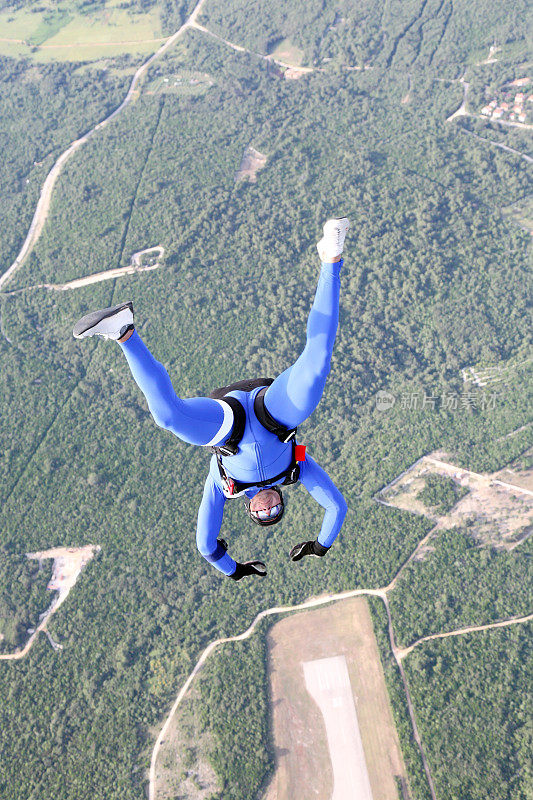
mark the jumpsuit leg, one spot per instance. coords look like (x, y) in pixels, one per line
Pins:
(197, 420)
(295, 393)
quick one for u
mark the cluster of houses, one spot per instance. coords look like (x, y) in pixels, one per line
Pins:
(512, 105)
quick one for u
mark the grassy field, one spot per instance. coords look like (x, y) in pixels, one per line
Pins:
(62, 33)
(299, 734)
(288, 52)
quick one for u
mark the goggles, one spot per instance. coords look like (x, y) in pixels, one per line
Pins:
(267, 513)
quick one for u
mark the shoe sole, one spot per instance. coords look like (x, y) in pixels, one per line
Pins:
(325, 251)
(91, 320)
(345, 224)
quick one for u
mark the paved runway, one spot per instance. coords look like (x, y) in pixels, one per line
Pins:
(328, 683)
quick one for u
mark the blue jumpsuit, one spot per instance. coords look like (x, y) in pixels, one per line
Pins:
(290, 399)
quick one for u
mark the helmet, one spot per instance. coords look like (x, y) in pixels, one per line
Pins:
(269, 520)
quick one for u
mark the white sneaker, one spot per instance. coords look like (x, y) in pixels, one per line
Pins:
(332, 243)
(111, 323)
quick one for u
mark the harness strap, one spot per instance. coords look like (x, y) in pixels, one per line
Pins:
(243, 386)
(291, 475)
(231, 445)
(266, 419)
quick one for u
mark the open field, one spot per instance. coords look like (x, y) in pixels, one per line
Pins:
(64, 34)
(252, 162)
(519, 472)
(286, 51)
(186, 82)
(498, 509)
(303, 765)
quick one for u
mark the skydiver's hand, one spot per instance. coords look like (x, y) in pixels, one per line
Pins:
(307, 549)
(249, 568)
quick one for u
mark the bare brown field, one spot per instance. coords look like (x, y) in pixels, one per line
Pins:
(493, 515)
(497, 511)
(303, 767)
(252, 162)
(517, 475)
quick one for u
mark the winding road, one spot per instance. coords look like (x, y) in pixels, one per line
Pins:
(402, 652)
(43, 204)
(105, 275)
(241, 49)
(461, 111)
(502, 146)
(398, 653)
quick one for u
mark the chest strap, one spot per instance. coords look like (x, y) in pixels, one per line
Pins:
(233, 486)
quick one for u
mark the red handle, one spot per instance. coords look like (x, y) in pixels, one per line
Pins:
(299, 452)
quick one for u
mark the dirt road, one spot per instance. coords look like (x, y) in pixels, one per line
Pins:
(398, 653)
(502, 146)
(461, 111)
(43, 204)
(319, 601)
(106, 275)
(241, 49)
(402, 652)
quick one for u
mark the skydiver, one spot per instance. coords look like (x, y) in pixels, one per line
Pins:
(251, 425)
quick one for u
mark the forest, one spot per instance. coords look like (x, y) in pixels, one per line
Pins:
(440, 494)
(471, 695)
(23, 597)
(435, 280)
(43, 109)
(473, 700)
(437, 35)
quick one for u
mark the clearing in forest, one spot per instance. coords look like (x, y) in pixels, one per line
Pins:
(187, 83)
(284, 50)
(522, 213)
(252, 161)
(303, 763)
(68, 564)
(497, 510)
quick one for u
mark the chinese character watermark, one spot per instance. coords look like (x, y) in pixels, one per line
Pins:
(447, 401)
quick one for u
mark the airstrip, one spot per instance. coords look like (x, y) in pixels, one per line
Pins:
(331, 708)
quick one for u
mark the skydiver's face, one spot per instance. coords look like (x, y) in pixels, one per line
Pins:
(264, 500)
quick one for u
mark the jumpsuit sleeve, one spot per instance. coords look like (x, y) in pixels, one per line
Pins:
(208, 526)
(323, 490)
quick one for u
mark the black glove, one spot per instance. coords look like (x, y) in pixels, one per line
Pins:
(249, 568)
(307, 549)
